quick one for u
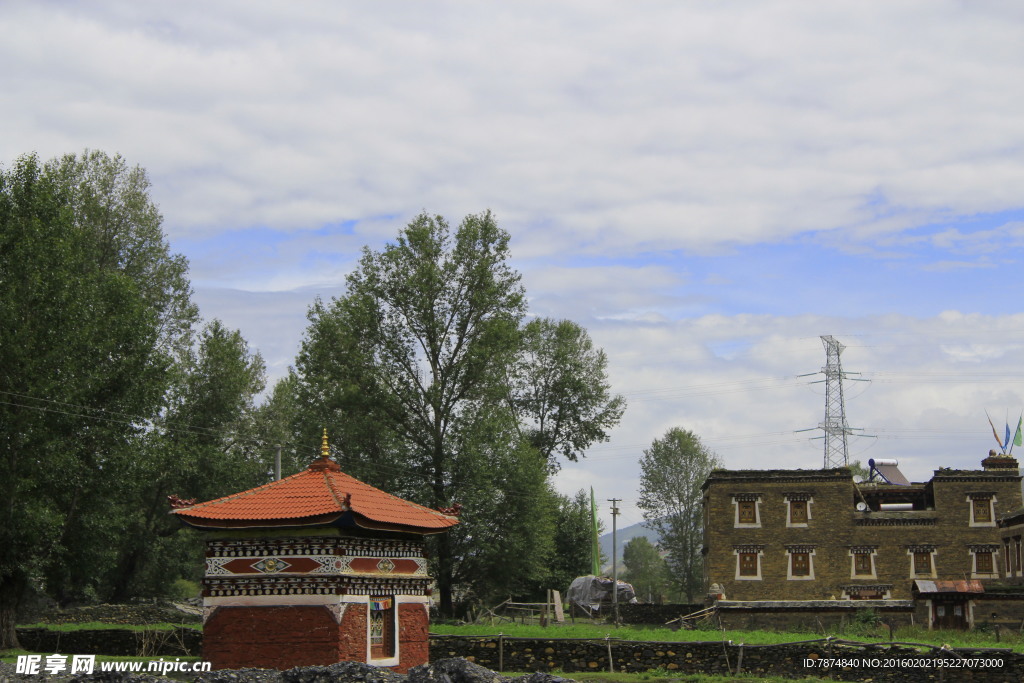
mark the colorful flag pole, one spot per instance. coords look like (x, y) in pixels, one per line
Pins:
(995, 433)
(1018, 438)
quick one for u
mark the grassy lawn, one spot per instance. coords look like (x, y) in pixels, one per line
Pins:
(98, 625)
(961, 639)
(10, 657)
(665, 677)
(860, 633)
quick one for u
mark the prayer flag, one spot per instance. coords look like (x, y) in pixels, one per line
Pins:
(994, 432)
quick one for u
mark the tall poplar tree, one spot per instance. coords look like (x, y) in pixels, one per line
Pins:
(672, 472)
(560, 390)
(92, 309)
(419, 372)
(413, 357)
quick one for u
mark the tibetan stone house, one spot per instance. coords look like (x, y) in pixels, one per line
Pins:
(786, 545)
(315, 568)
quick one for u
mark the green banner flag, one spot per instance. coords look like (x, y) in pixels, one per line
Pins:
(595, 550)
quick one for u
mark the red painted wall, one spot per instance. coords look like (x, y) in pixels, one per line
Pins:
(352, 638)
(271, 637)
(304, 635)
(413, 644)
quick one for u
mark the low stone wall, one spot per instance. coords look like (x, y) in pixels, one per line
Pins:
(841, 660)
(809, 615)
(113, 641)
(851, 662)
(654, 615)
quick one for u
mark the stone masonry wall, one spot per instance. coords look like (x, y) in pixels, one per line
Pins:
(646, 613)
(878, 663)
(828, 529)
(835, 527)
(117, 642)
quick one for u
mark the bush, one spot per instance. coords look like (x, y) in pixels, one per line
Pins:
(865, 622)
(183, 589)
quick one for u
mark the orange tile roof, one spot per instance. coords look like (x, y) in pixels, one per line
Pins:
(321, 491)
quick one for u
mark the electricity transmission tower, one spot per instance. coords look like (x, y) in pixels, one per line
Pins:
(834, 425)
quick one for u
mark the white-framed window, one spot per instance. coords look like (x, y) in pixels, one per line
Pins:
(748, 510)
(862, 562)
(383, 627)
(748, 562)
(798, 509)
(984, 561)
(922, 561)
(982, 509)
(800, 563)
(1007, 566)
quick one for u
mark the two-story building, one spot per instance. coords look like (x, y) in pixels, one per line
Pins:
(824, 544)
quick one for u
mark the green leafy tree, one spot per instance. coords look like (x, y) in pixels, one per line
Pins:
(407, 367)
(193, 448)
(561, 391)
(92, 308)
(858, 470)
(506, 534)
(673, 470)
(273, 424)
(573, 541)
(419, 372)
(646, 570)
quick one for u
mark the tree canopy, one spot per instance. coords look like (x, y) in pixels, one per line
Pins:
(97, 349)
(646, 569)
(435, 390)
(113, 396)
(673, 470)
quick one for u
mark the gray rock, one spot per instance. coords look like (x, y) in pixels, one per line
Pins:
(455, 670)
(541, 677)
(240, 676)
(342, 671)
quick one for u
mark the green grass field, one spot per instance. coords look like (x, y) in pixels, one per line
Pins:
(959, 639)
(98, 625)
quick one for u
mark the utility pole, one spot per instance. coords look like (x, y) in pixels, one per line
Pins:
(615, 562)
(277, 463)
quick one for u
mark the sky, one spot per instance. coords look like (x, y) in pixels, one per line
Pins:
(708, 188)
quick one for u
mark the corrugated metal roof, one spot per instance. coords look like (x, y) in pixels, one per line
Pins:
(968, 586)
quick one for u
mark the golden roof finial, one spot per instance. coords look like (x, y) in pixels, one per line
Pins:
(325, 450)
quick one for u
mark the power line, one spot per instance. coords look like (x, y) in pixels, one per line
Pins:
(393, 468)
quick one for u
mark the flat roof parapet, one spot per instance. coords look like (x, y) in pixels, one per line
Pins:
(813, 605)
(836, 474)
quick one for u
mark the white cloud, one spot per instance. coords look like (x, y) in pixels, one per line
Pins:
(648, 126)
(614, 141)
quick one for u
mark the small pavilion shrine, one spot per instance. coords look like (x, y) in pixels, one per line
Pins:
(315, 568)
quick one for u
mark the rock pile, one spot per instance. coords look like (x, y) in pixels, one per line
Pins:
(456, 670)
